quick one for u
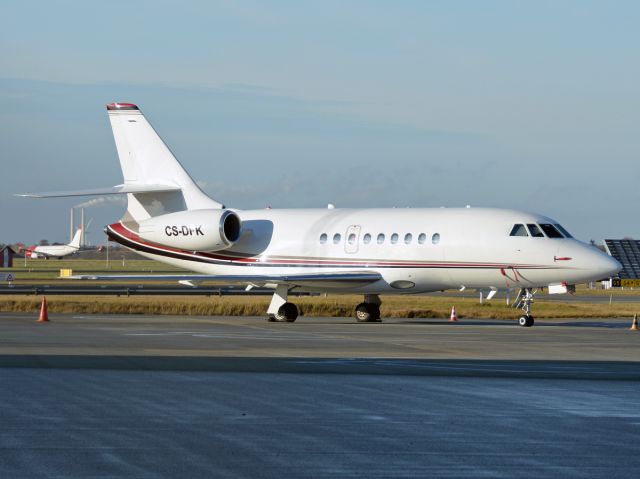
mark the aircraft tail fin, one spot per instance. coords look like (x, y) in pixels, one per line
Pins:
(75, 242)
(146, 160)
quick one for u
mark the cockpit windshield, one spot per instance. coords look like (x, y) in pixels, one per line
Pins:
(550, 231)
(540, 230)
(563, 231)
(534, 230)
(518, 230)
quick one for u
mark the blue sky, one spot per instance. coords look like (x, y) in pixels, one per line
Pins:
(528, 105)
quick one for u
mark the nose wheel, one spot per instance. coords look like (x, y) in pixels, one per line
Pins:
(525, 321)
(524, 301)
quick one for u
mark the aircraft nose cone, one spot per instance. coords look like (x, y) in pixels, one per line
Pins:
(607, 265)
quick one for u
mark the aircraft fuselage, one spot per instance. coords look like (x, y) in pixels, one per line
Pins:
(414, 249)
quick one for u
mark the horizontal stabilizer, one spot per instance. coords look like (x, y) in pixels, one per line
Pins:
(333, 280)
(113, 190)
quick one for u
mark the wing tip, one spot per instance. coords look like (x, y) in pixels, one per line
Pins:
(28, 195)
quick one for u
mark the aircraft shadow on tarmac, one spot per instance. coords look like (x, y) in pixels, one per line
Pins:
(587, 324)
(461, 322)
(540, 323)
(537, 369)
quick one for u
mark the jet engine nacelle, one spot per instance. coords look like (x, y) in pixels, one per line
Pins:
(196, 230)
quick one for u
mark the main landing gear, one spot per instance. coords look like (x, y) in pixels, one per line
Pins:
(524, 301)
(369, 311)
(281, 310)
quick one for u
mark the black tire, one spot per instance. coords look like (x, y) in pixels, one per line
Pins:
(525, 321)
(363, 313)
(288, 313)
(367, 313)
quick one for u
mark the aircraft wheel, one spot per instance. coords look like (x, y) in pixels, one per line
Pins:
(525, 321)
(288, 312)
(363, 314)
(375, 312)
(367, 312)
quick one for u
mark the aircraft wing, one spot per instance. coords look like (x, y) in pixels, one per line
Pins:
(323, 280)
(112, 190)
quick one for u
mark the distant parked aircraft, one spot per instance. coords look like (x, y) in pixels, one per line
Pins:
(55, 251)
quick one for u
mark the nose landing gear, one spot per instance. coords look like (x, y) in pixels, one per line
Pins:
(524, 301)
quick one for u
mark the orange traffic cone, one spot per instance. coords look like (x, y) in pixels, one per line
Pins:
(454, 316)
(634, 324)
(44, 316)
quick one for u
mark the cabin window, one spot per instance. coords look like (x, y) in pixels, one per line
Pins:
(563, 231)
(518, 230)
(422, 238)
(366, 239)
(535, 231)
(336, 238)
(380, 238)
(435, 239)
(550, 231)
(323, 238)
(394, 238)
(352, 238)
(407, 238)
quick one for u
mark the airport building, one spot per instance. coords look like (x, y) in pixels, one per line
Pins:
(6, 257)
(627, 252)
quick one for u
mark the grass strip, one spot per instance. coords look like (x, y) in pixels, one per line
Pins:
(331, 306)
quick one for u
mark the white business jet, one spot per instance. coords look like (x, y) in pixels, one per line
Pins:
(55, 251)
(363, 251)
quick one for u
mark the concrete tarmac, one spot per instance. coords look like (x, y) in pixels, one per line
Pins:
(172, 396)
(142, 335)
